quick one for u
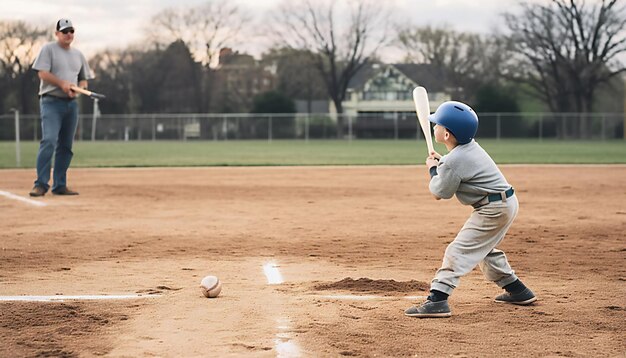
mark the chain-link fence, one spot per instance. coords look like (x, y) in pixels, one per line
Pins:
(400, 125)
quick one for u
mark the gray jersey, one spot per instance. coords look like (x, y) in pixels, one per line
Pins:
(469, 172)
(67, 64)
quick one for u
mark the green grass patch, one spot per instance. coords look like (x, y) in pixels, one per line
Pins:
(313, 152)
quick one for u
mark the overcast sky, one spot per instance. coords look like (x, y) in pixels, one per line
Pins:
(117, 23)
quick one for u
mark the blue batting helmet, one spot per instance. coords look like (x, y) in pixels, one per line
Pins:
(458, 118)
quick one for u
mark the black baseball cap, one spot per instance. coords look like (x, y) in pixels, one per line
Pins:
(63, 24)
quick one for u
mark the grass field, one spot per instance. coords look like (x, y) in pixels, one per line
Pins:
(314, 152)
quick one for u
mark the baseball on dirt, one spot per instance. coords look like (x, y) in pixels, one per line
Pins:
(211, 286)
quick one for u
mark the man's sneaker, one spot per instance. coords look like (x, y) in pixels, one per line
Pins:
(64, 191)
(430, 309)
(523, 298)
(37, 191)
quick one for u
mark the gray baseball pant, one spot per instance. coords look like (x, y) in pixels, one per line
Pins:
(476, 244)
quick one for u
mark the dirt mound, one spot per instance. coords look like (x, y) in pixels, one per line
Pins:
(373, 286)
(47, 329)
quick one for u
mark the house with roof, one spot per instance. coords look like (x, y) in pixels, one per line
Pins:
(386, 89)
(380, 99)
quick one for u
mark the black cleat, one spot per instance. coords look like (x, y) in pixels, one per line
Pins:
(523, 298)
(430, 309)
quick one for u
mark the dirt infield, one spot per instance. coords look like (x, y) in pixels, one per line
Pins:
(350, 244)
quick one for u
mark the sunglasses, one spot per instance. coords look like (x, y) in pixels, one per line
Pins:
(66, 31)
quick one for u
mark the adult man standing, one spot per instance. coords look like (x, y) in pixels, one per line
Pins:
(59, 67)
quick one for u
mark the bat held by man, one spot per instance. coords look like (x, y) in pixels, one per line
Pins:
(89, 93)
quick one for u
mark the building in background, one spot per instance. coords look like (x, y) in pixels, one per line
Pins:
(237, 79)
(385, 90)
(379, 102)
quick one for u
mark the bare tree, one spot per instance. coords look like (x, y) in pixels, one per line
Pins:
(467, 61)
(19, 45)
(340, 46)
(205, 29)
(569, 48)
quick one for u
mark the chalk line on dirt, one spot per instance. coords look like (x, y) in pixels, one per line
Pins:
(272, 274)
(9, 195)
(61, 298)
(283, 343)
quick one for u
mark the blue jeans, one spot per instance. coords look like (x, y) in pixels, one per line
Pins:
(59, 119)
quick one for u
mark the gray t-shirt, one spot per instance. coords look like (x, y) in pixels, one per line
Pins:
(469, 172)
(67, 64)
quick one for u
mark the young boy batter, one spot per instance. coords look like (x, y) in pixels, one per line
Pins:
(470, 173)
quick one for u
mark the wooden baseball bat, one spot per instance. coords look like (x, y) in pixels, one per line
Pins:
(422, 108)
(91, 94)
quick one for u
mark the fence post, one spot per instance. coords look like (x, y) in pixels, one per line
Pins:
(225, 128)
(94, 119)
(603, 136)
(541, 127)
(18, 159)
